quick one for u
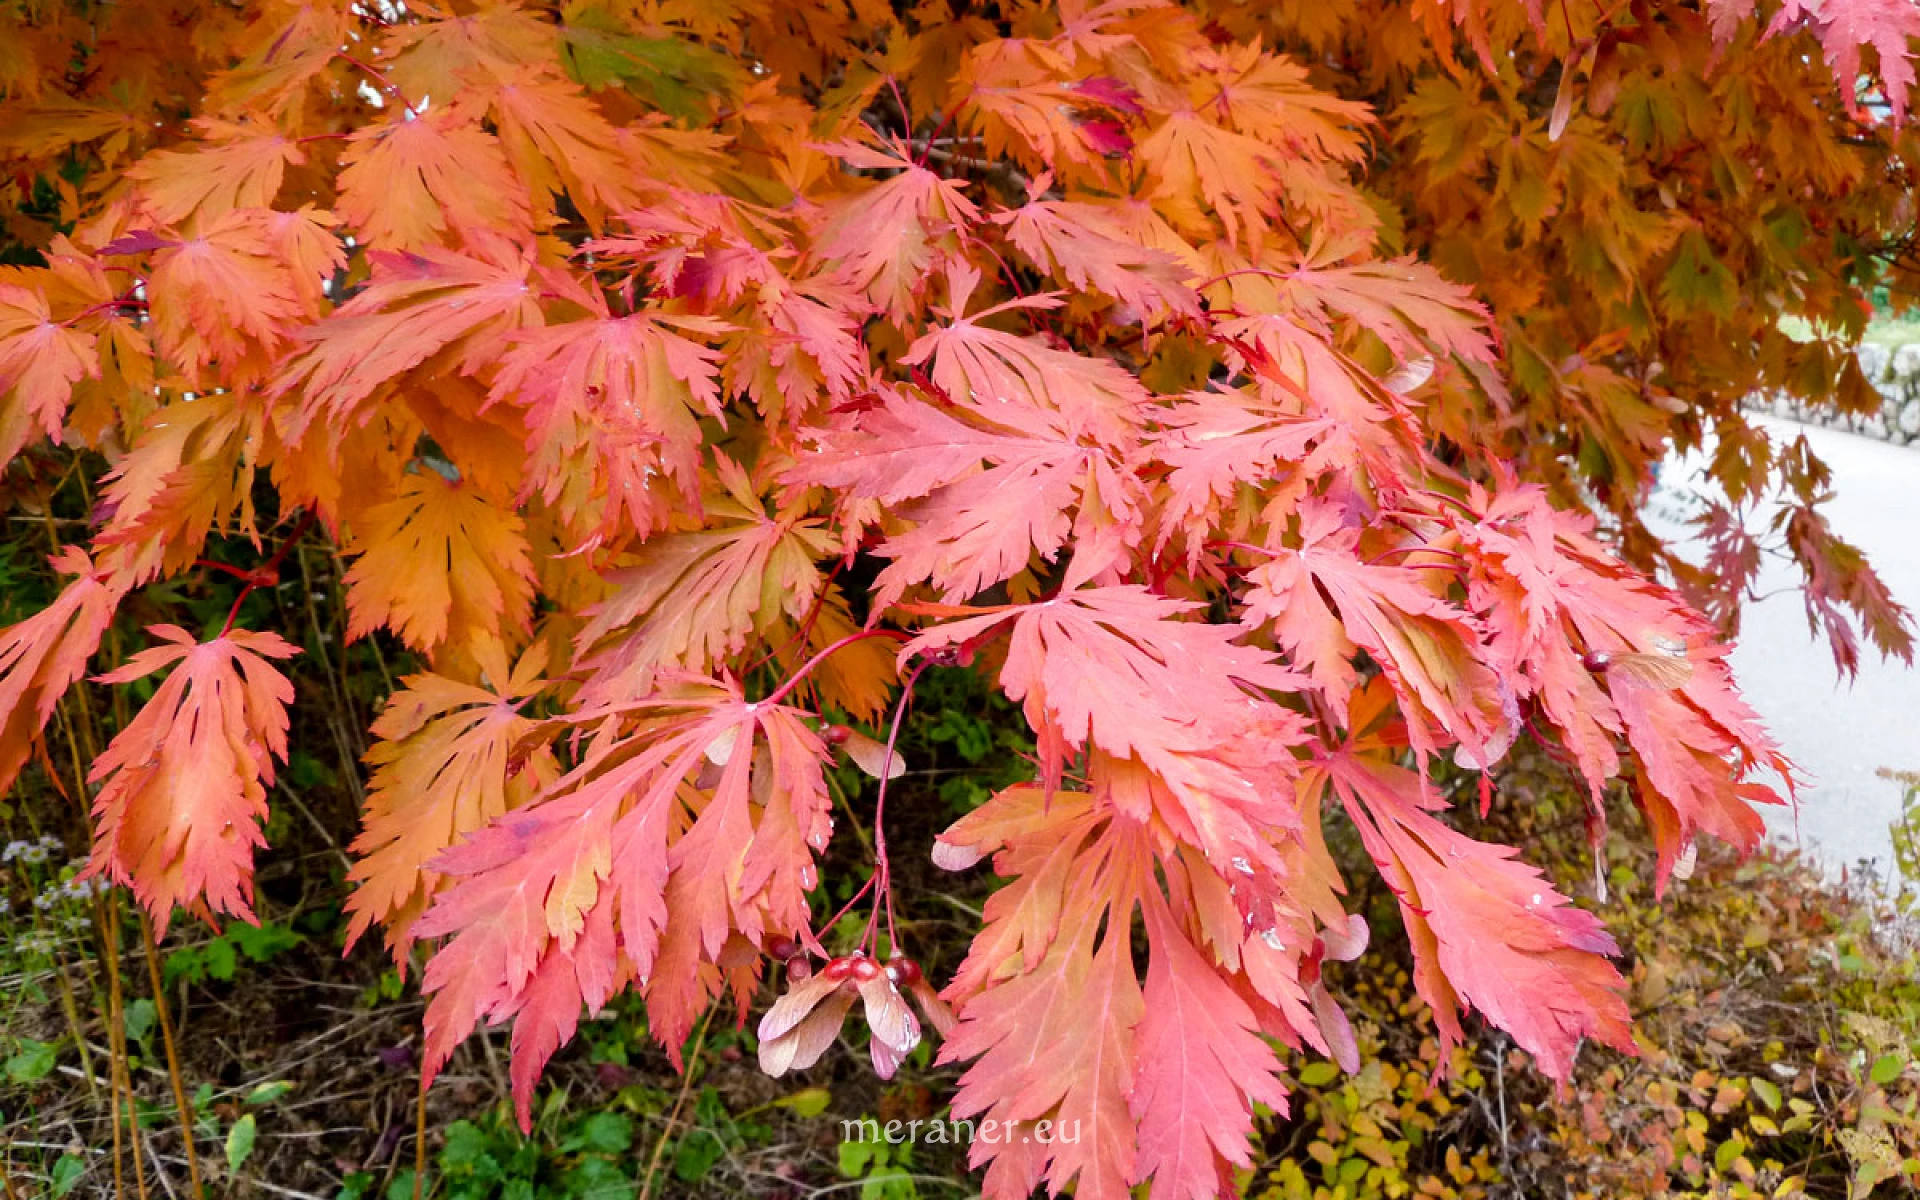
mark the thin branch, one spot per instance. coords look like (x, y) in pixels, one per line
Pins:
(680, 1102)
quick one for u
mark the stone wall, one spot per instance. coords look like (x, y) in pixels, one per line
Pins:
(1896, 372)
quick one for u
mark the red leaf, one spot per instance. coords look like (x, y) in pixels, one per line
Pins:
(891, 238)
(1093, 667)
(40, 362)
(1087, 244)
(1488, 931)
(1846, 27)
(610, 403)
(708, 809)
(140, 241)
(991, 485)
(1048, 1004)
(416, 306)
(1551, 597)
(1324, 601)
(1203, 1065)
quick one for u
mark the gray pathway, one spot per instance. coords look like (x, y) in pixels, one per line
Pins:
(1840, 733)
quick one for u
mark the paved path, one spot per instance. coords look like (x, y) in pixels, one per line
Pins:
(1840, 733)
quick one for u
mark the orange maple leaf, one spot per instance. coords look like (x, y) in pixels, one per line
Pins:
(40, 361)
(448, 762)
(415, 307)
(183, 786)
(440, 563)
(235, 165)
(44, 655)
(413, 181)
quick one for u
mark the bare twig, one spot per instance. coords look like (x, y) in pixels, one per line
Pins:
(71, 1009)
(420, 1139)
(173, 1058)
(108, 914)
(1500, 1079)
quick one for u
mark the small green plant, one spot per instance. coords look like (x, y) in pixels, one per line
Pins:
(884, 1168)
(218, 957)
(31, 1061)
(489, 1159)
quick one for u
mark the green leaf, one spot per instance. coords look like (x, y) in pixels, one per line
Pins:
(679, 75)
(306, 773)
(598, 1178)
(606, 1133)
(1887, 1068)
(402, 1186)
(1318, 1074)
(240, 1142)
(889, 1183)
(261, 942)
(1768, 1093)
(807, 1102)
(1646, 113)
(355, 1186)
(972, 738)
(1729, 1150)
(267, 1093)
(854, 1158)
(185, 962)
(466, 1146)
(67, 1173)
(140, 1018)
(695, 1155)
(34, 1062)
(205, 1123)
(220, 959)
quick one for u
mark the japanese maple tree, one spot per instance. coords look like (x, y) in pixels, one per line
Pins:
(1260, 395)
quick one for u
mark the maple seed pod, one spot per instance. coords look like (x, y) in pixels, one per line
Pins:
(798, 968)
(903, 970)
(802, 1025)
(838, 968)
(781, 947)
(951, 857)
(835, 735)
(1667, 668)
(873, 757)
(895, 1031)
(1684, 862)
(864, 969)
